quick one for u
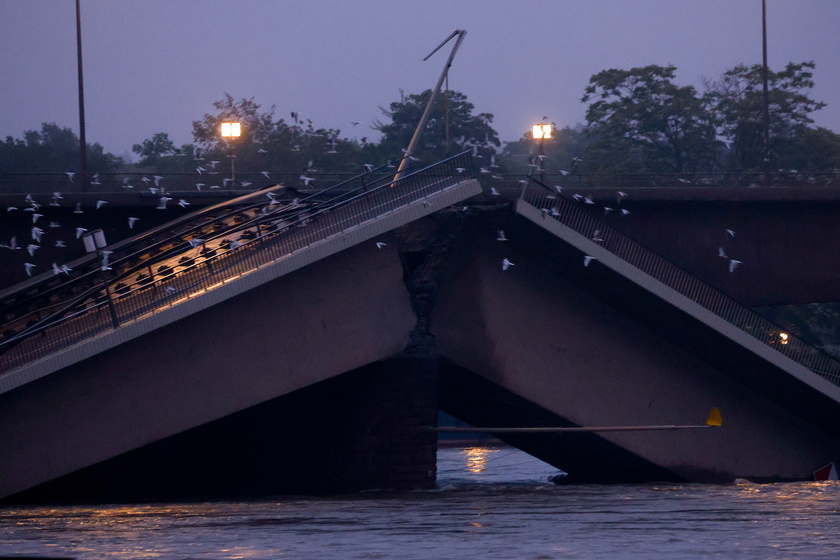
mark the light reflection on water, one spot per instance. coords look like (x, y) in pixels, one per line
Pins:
(504, 508)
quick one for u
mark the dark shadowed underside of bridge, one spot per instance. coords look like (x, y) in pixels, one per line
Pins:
(325, 375)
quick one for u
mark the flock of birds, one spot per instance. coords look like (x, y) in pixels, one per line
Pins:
(554, 211)
(45, 226)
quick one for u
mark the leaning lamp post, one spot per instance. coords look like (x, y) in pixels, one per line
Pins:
(230, 131)
(541, 132)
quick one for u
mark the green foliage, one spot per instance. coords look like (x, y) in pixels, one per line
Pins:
(52, 149)
(452, 128)
(736, 101)
(275, 145)
(640, 121)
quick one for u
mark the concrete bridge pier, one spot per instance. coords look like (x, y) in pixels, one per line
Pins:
(364, 429)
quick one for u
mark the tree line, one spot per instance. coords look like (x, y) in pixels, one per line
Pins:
(637, 121)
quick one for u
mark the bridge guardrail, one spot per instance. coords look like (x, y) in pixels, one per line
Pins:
(575, 216)
(264, 237)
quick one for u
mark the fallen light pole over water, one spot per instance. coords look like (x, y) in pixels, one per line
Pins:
(715, 420)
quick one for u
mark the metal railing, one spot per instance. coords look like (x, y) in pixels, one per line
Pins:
(576, 216)
(218, 182)
(195, 260)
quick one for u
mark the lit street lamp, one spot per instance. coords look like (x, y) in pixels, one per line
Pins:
(231, 130)
(541, 132)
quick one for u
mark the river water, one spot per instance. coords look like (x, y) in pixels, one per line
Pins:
(491, 502)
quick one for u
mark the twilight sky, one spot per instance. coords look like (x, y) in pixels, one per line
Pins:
(157, 65)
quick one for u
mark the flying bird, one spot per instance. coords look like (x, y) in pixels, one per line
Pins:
(506, 264)
(101, 203)
(722, 254)
(733, 264)
(500, 235)
(183, 203)
(494, 192)
(28, 267)
(78, 209)
(36, 217)
(380, 245)
(730, 233)
(80, 231)
(587, 259)
(36, 233)
(31, 248)
(132, 221)
(70, 175)
(196, 242)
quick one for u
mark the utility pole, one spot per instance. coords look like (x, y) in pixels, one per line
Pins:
(767, 166)
(82, 138)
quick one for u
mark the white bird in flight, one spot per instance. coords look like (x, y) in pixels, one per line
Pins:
(101, 203)
(380, 245)
(587, 259)
(132, 221)
(28, 267)
(80, 231)
(733, 264)
(500, 235)
(506, 264)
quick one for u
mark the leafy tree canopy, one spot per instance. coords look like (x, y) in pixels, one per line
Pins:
(52, 149)
(452, 128)
(736, 101)
(641, 121)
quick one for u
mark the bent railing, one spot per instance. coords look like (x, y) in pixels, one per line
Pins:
(574, 215)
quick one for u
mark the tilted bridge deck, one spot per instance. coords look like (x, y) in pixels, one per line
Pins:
(201, 266)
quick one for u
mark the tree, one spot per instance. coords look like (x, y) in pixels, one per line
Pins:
(52, 149)
(736, 101)
(640, 121)
(159, 154)
(282, 148)
(452, 128)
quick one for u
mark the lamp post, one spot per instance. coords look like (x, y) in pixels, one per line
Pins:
(541, 132)
(230, 131)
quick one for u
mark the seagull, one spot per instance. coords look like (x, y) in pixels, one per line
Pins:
(621, 195)
(153, 190)
(69, 176)
(80, 231)
(157, 179)
(95, 179)
(722, 254)
(588, 200)
(245, 184)
(13, 243)
(564, 172)
(101, 203)
(262, 151)
(380, 245)
(78, 209)
(733, 264)
(163, 201)
(368, 167)
(35, 217)
(36, 234)
(183, 203)
(587, 259)
(57, 195)
(199, 185)
(59, 269)
(60, 243)
(170, 290)
(306, 180)
(226, 180)
(54, 225)
(132, 221)
(31, 248)
(506, 264)
(494, 192)
(558, 188)
(460, 169)
(196, 242)
(625, 211)
(607, 210)
(28, 267)
(266, 174)
(500, 235)
(730, 233)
